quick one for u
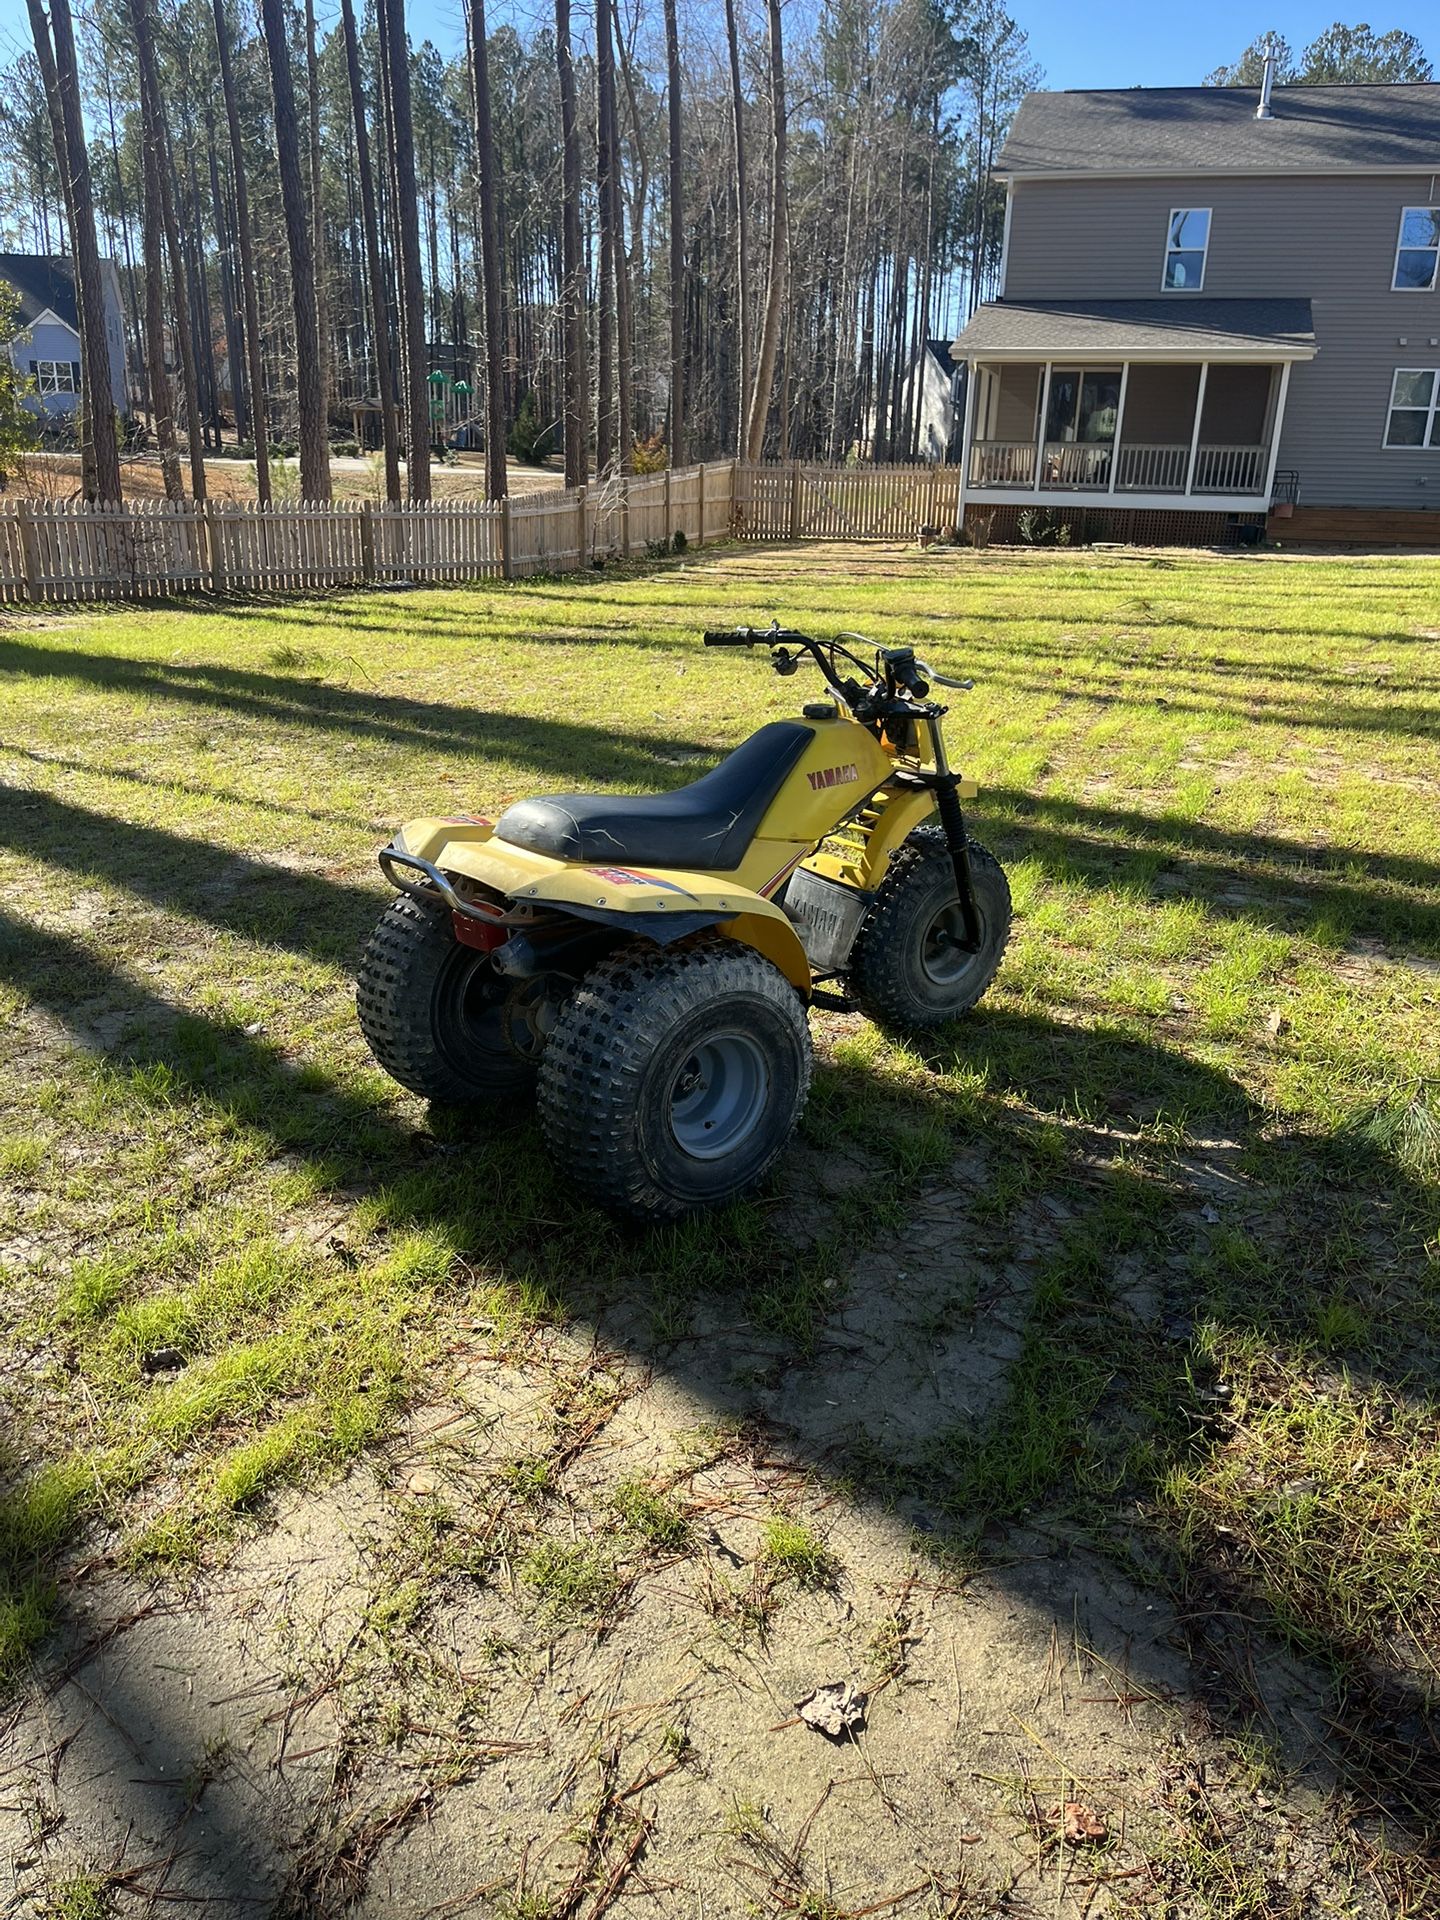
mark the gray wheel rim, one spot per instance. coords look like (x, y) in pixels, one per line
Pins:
(943, 954)
(718, 1096)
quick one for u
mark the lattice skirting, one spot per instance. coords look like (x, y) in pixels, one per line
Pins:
(1135, 526)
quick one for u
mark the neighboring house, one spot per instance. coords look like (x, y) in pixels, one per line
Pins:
(48, 344)
(1215, 299)
(934, 387)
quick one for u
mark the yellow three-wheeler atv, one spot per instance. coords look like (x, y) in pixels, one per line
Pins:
(648, 962)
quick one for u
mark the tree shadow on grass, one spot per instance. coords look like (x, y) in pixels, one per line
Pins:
(1265, 877)
(181, 873)
(566, 748)
(1234, 874)
(172, 784)
(1256, 708)
(1113, 1359)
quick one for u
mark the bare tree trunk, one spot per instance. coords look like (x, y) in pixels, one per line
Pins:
(374, 272)
(624, 335)
(317, 210)
(779, 246)
(50, 80)
(226, 258)
(847, 315)
(201, 325)
(577, 464)
(742, 227)
(677, 239)
(605, 433)
(73, 159)
(640, 191)
(309, 387)
(161, 405)
(249, 299)
(179, 299)
(121, 203)
(496, 479)
(412, 286)
(923, 301)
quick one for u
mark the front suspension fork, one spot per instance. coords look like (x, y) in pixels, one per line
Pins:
(952, 819)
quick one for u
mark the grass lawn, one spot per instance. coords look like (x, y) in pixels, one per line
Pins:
(1200, 1102)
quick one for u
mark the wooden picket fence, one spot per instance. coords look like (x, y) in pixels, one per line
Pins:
(70, 550)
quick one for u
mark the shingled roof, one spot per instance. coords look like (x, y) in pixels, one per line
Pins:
(1214, 130)
(43, 281)
(1140, 329)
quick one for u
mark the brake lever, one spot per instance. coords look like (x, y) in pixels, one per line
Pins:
(944, 680)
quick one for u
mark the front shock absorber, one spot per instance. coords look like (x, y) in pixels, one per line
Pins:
(952, 819)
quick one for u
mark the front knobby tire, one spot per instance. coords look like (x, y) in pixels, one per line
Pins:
(432, 1013)
(674, 1078)
(907, 970)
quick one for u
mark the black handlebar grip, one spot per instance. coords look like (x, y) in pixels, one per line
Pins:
(729, 636)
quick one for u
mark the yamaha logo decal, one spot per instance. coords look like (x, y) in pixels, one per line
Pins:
(833, 776)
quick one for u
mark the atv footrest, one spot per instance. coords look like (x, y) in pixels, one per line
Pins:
(833, 1002)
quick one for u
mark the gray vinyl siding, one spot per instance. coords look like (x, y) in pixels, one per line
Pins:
(1330, 239)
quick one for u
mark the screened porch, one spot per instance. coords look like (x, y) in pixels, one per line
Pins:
(1125, 428)
(1154, 401)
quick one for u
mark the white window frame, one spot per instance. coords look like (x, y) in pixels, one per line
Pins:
(1401, 248)
(1431, 413)
(1165, 287)
(40, 367)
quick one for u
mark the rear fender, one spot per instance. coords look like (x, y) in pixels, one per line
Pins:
(771, 935)
(663, 906)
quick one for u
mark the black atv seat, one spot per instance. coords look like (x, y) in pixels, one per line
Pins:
(706, 826)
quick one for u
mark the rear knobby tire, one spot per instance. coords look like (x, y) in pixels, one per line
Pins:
(902, 971)
(674, 1078)
(431, 1010)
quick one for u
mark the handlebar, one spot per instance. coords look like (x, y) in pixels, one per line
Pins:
(895, 669)
(749, 636)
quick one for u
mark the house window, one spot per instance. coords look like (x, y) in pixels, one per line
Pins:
(1417, 251)
(1414, 408)
(1084, 407)
(54, 376)
(1186, 244)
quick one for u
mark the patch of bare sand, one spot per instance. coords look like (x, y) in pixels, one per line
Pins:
(56, 476)
(376, 1707)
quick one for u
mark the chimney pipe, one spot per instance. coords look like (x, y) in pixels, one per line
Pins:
(1262, 112)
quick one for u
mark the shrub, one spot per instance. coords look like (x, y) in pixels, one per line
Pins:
(1042, 527)
(527, 439)
(649, 456)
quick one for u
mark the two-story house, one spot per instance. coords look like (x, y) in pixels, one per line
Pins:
(1214, 301)
(48, 344)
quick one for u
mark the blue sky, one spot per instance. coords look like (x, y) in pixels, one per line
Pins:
(1160, 44)
(1127, 43)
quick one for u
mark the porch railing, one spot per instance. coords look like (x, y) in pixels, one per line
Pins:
(1139, 466)
(1147, 468)
(1076, 463)
(1002, 463)
(1230, 469)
